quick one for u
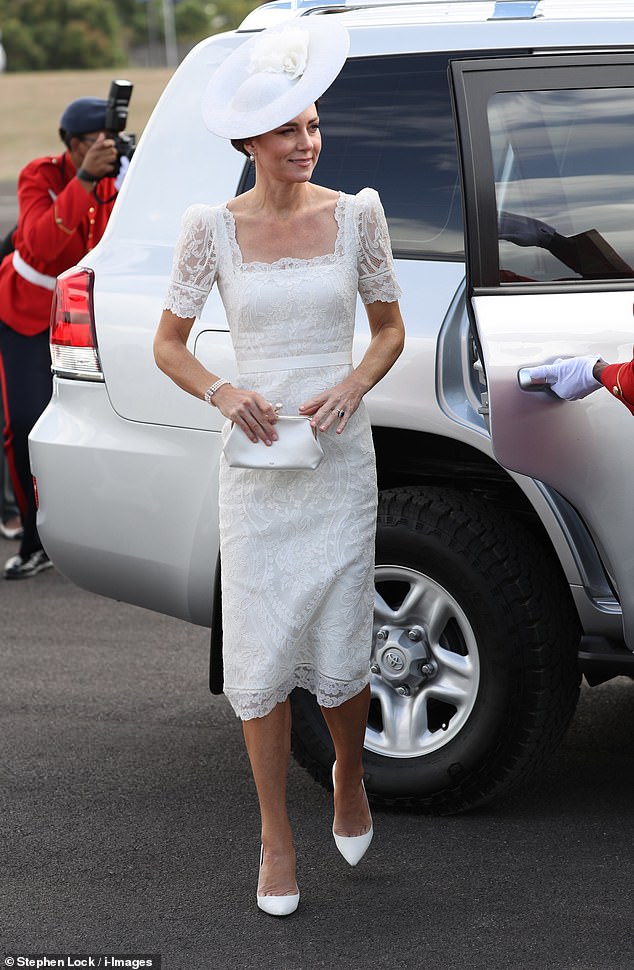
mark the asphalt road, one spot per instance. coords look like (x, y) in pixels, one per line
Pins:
(129, 823)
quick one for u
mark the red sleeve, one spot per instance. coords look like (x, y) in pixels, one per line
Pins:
(50, 210)
(619, 380)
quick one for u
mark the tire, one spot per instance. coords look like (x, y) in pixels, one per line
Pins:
(475, 674)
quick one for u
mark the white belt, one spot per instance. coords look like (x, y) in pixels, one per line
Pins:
(293, 363)
(28, 273)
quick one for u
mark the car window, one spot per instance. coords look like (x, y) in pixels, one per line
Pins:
(564, 183)
(387, 123)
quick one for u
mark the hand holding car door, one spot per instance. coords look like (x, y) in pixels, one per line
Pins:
(574, 378)
(570, 378)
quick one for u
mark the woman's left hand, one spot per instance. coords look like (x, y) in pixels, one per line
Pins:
(336, 404)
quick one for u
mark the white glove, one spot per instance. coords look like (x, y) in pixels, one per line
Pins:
(570, 378)
(124, 164)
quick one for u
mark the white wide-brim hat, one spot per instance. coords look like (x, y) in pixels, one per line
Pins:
(274, 76)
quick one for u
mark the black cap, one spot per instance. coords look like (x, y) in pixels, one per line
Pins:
(84, 114)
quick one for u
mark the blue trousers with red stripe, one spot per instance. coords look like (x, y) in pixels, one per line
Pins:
(26, 384)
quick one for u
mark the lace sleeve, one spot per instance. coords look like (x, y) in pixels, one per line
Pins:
(377, 278)
(194, 264)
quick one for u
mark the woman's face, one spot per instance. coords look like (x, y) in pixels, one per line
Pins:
(289, 153)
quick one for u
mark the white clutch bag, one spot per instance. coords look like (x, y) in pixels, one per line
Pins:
(297, 447)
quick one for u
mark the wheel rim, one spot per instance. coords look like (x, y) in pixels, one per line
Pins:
(425, 665)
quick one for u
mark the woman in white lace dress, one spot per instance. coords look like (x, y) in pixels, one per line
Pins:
(297, 547)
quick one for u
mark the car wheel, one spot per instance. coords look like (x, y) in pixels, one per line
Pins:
(474, 656)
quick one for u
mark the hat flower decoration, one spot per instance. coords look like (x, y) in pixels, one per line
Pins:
(281, 54)
(274, 76)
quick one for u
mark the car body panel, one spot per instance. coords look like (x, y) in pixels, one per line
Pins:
(577, 448)
(128, 510)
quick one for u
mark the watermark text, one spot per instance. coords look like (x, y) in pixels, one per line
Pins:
(80, 961)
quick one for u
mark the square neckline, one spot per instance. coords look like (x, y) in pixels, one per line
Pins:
(285, 261)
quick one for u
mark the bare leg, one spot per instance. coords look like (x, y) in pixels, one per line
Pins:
(268, 741)
(346, 724)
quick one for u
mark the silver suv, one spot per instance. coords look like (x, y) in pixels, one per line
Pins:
(504, 564)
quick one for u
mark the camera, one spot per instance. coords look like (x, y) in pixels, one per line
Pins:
(116, 118)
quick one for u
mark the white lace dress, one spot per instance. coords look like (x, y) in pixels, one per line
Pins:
(297, 547)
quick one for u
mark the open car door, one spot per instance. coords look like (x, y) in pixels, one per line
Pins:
(547, 156)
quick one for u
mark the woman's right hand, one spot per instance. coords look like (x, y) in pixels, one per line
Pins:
(249, 410)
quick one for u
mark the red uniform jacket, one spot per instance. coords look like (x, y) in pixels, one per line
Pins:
(619, 380)
(58, 223)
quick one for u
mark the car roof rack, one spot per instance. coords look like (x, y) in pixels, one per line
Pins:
(279, 10)
(523, 6)
(499, 11)
(515, 10)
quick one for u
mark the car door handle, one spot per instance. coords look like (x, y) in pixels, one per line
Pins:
(528, 384)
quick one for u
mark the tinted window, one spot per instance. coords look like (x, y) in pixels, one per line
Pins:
(564, 182)
(387, 123)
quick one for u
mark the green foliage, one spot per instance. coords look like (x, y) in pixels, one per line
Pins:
(227, 14)
(23, 51)
(79, 38)
(132, 18)
(78, 34)
(197, 19)
(60, 34)
(192, 20)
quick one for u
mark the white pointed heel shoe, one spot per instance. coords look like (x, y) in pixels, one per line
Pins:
(277, 905)
(352, 847)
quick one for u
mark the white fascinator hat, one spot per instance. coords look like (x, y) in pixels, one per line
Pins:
(274, 76)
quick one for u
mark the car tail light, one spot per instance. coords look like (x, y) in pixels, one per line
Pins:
(73, 337)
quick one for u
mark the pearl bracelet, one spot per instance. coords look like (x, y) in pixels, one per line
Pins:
(209, 393)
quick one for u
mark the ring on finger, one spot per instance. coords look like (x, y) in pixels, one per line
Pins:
(340, 412)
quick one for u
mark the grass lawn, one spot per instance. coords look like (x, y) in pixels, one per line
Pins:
(31, 105)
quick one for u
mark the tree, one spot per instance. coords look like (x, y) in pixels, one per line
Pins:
(192, 20)
(50, 34)
(22, 50)
(61, 34)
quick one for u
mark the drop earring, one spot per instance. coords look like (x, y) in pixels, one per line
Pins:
(252, 158)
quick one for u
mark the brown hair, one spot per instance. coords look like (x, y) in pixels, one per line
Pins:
(238, 144)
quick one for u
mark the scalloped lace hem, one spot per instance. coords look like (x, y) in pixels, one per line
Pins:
(182, 300)
(383, 289)
(248, 704)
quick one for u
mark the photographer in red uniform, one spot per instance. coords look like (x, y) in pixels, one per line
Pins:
(64, 205)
